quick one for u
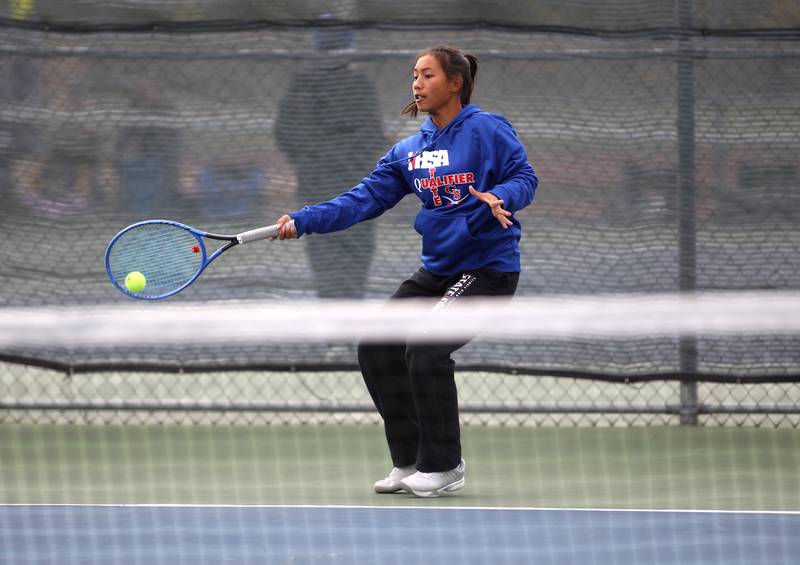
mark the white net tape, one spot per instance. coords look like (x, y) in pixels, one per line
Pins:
(734, 313)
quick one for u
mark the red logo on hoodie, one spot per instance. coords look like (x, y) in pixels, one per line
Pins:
(449, 183)
(437, 200)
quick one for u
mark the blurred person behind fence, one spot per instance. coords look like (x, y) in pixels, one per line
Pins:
(329, 127)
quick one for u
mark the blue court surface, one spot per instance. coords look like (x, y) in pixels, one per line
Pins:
(384, 535)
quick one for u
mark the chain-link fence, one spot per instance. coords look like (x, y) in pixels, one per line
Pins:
(609, 15)
(665, 136)
(340, 397)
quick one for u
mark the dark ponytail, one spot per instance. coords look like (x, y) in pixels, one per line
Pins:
(455, 64)
(473, 70)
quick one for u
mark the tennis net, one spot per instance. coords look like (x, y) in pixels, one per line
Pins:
(295, 361)
(159, 437)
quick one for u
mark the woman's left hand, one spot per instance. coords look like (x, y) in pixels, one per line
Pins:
(496, 206)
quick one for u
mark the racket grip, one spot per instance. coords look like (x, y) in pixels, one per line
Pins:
(259, 233)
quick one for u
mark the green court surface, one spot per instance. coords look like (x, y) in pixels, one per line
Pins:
(656, 467)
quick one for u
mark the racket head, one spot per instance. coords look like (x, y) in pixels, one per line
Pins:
(169, 254)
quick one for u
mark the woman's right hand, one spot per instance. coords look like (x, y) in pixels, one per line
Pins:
(286, 229)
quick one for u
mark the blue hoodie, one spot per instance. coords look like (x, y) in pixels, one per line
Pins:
(458, 231)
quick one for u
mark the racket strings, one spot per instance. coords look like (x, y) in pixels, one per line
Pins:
(167, 255)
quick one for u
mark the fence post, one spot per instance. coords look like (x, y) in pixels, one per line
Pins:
(687, 229)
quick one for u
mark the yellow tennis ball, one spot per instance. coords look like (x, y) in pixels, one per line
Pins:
(135, 281)
(21, 9)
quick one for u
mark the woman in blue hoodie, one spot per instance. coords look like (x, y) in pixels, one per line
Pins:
(472, 174)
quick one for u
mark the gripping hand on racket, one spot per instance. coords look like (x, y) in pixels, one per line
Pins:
(494, 203)
(286, 229)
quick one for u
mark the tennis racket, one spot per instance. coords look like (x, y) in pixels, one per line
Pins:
(169, 255)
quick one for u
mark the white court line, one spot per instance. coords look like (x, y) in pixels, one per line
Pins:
(344, 506)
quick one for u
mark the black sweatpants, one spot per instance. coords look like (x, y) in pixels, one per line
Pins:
(413, 385)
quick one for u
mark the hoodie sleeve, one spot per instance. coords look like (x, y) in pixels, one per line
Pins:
(518, 181)
(381, 190)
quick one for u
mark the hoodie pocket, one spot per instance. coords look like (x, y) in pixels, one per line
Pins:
(446, 240)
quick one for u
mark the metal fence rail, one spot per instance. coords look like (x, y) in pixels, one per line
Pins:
(487, 398)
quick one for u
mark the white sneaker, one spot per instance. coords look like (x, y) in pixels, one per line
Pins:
(392, 482)
(430, 485)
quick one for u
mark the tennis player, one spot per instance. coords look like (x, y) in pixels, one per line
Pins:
(472, 174)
